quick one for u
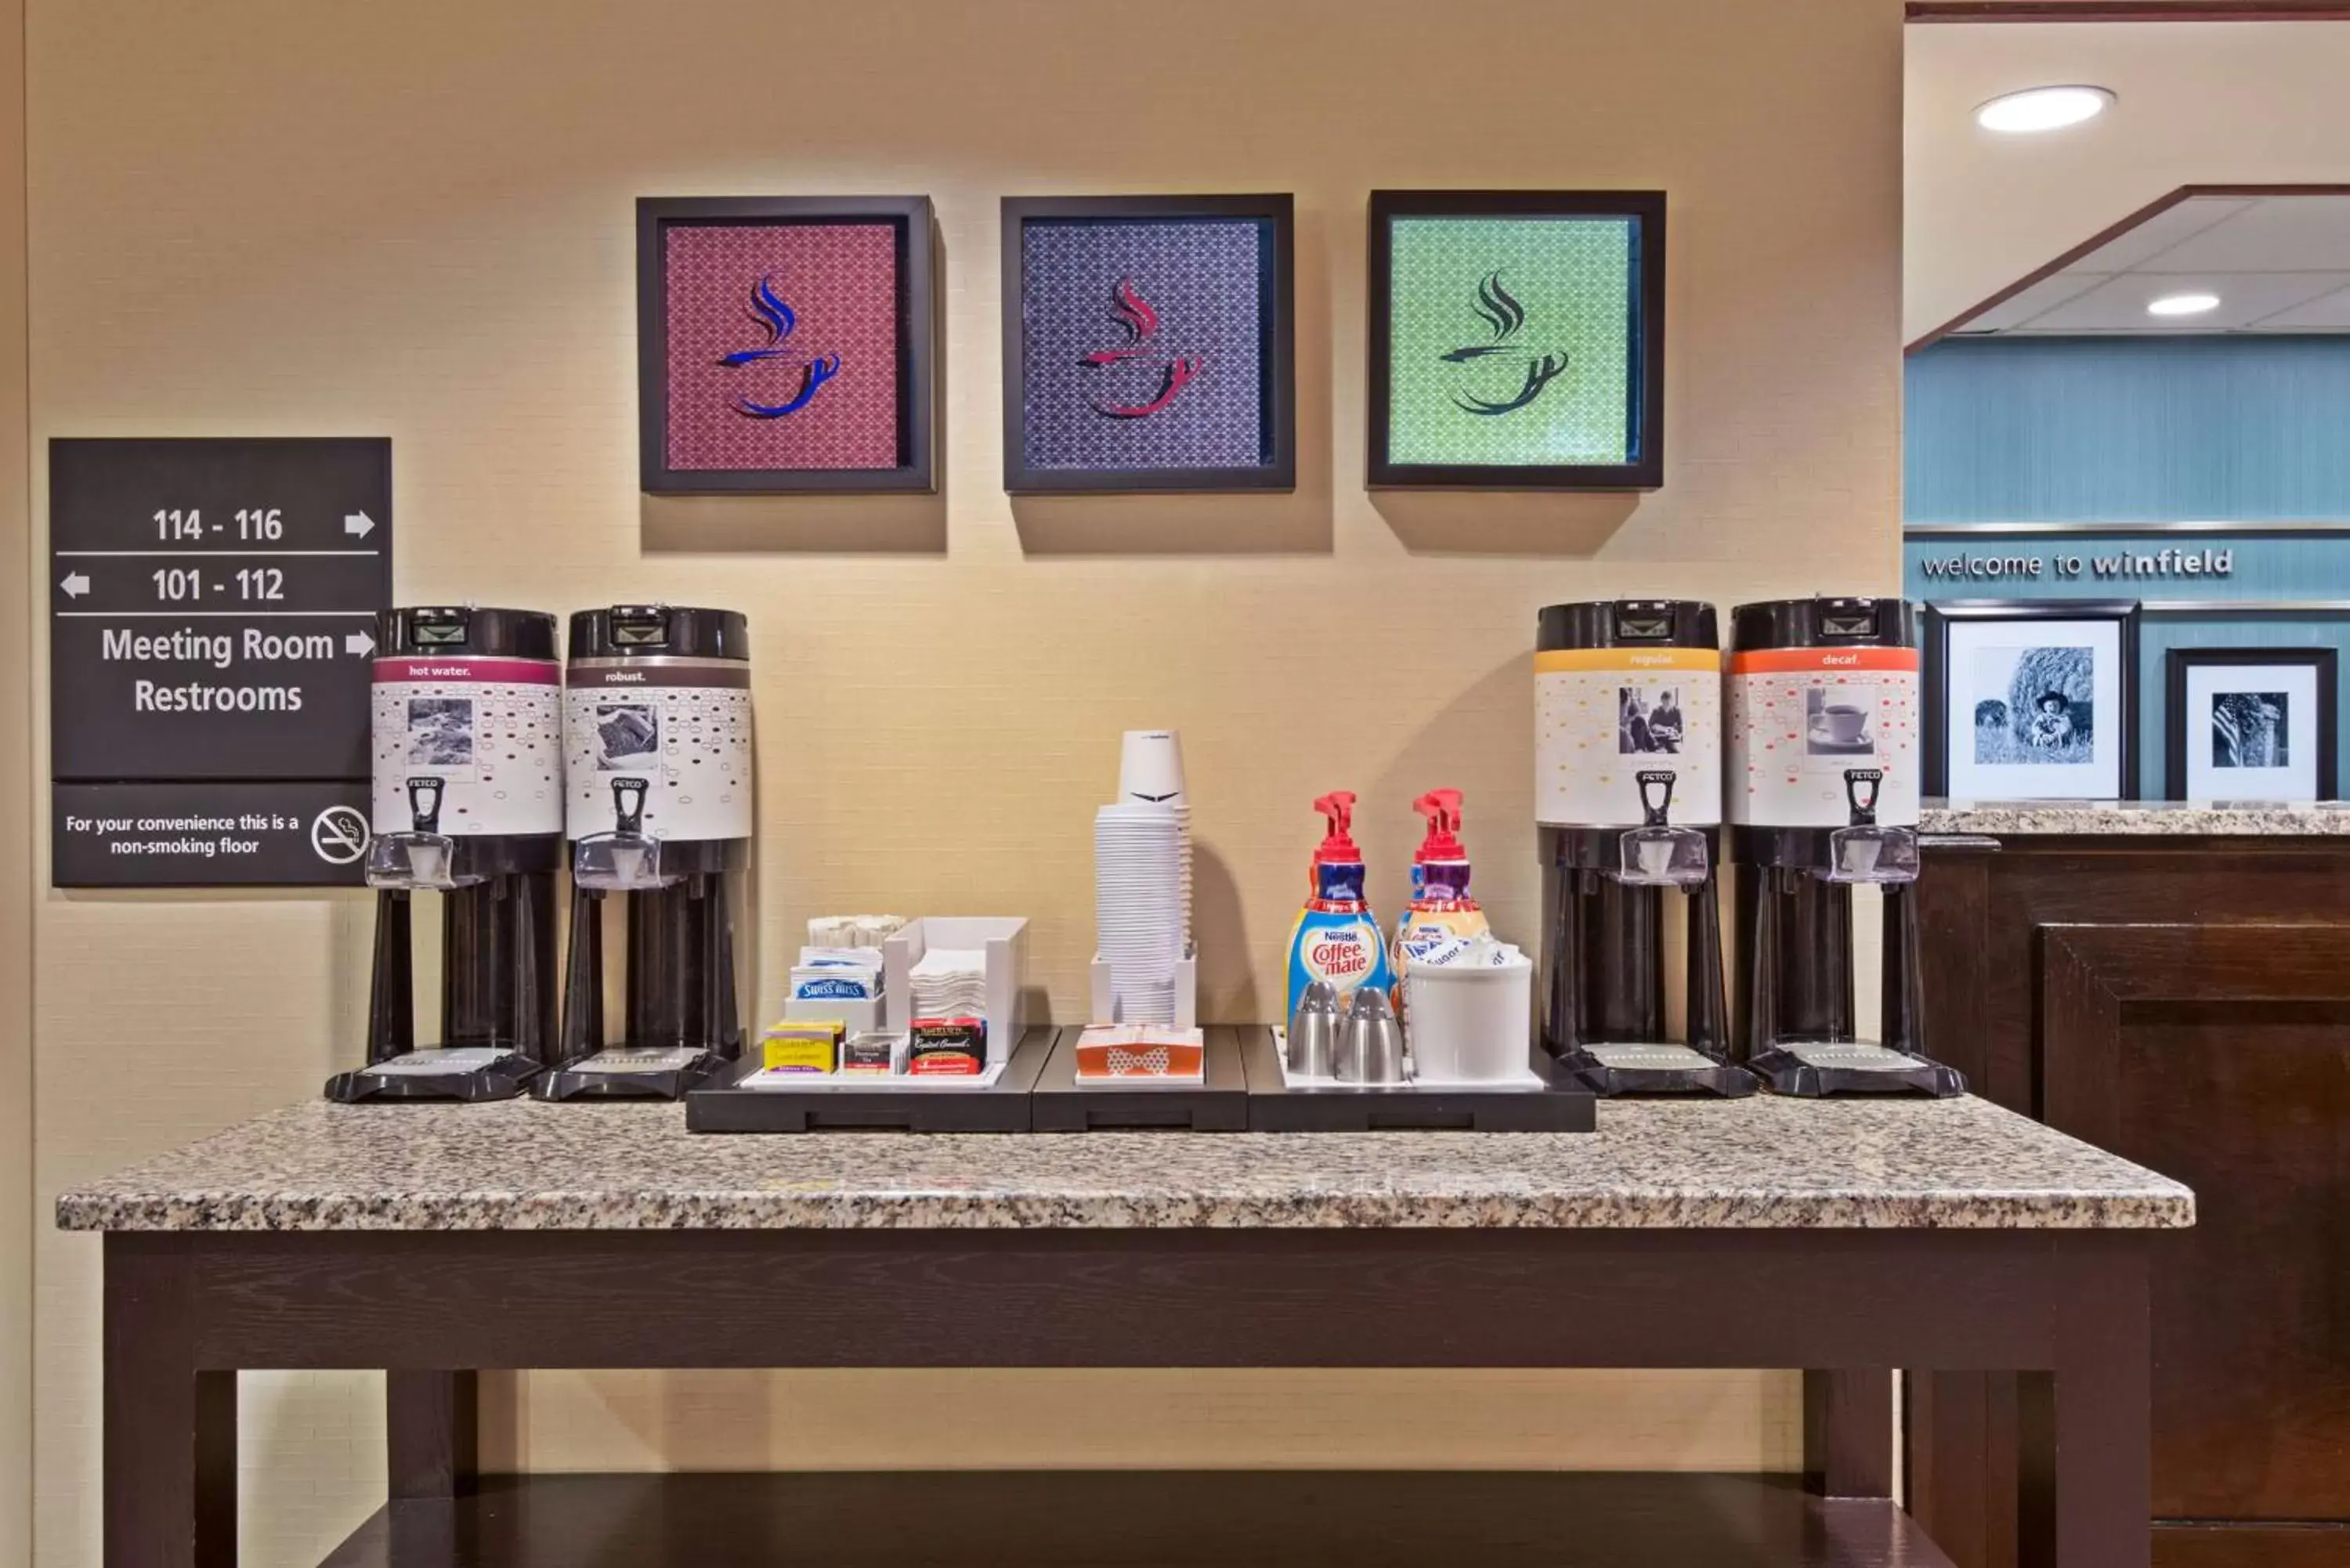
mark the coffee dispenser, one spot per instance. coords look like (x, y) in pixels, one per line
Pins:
(467, 766)
(1824, 747)
(1627, 793)
(657, 741)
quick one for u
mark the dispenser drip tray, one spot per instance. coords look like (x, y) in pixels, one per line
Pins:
(1816, 1067)
(632, 1073)
(1657, 1067)
(440, 1072)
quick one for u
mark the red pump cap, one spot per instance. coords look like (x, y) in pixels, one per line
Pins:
(1443, 809)
(1338, 846)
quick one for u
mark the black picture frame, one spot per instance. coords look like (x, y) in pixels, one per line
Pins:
(2177, 661)
(916, 343)
(1646, 471)
(1940, 615)
(1277, 348)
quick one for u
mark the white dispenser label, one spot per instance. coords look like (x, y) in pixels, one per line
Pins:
(1603, 716)
(681, 726)
(1802, 717)
(490, 728)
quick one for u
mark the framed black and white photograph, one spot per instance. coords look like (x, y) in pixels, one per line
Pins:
(2250, 724)
(2031, 700)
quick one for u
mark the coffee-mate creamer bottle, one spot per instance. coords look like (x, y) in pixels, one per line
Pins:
(1336, 937)
(1441, 902)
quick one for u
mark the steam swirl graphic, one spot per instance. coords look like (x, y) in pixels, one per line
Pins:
(1140, 321)
(1504, 315)
(777, 318)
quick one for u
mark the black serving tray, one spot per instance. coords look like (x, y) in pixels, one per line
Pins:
(1002, 1108)
(1565, 1107)
(1218, 1105)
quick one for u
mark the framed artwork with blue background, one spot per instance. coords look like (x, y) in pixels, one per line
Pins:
(784, 344)
(1148, 343)
(1517, 339)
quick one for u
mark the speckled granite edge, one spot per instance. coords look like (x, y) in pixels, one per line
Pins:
(1759, 1163)
(1648, 1211)
(2179, 819)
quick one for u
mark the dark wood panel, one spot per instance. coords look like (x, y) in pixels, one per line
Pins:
(940, 1298)
(162, 1417)
(1848, 1433)
(2220, 1056)
(433, 1432)
(2252, 1546)
(1983, 914)
(1128, 1520)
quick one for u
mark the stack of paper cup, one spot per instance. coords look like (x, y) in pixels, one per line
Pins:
(1137, 879)
(1150, 774)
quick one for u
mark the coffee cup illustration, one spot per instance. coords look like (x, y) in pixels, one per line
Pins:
(1845, 723)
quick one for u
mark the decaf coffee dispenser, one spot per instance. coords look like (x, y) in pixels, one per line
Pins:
(657, 743)
(467, 722)
(1824, 747)
(1628, 792)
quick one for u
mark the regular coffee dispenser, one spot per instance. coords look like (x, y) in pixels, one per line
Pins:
(467, 770)
(1824, 745)
(657, 748)
(1628, 792)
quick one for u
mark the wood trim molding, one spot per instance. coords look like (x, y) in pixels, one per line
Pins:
(1943, 11)
(2112, 232)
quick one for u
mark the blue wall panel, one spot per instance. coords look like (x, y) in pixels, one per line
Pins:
(2119, 430)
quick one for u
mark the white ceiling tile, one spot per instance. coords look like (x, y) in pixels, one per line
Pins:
(2045, 294)
(2279, 234)
(2327, 312)
(2177, 226)
(2119, 304)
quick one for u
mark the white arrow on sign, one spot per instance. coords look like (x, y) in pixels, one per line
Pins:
(358, 642)
(76, 585)
(358, 524)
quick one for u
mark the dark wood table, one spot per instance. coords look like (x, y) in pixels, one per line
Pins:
(1850, 1239)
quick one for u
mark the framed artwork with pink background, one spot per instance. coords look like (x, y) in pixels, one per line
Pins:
(784, 343)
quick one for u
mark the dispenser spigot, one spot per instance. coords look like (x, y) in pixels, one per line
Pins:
(425, 804)
(1656, 809)
(1860, 790)
(629, 805)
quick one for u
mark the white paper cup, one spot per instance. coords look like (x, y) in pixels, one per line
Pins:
(1150, 769)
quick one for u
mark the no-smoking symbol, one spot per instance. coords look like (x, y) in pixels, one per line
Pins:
(340, 834)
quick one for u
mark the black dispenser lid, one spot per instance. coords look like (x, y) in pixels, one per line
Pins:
(625, 631)
(1821, 623)
(466, 629)
(1626, 623)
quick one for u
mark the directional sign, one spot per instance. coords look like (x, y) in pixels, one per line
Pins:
(213, 612)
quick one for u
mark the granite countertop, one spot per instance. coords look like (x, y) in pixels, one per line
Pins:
(2186, 819)
(1759, 1163)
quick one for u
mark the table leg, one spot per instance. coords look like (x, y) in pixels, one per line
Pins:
(1848, 1433)
(432, 1429)
(2085, 1429)
(170, 1466)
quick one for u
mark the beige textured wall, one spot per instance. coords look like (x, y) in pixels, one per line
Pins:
(279, 216)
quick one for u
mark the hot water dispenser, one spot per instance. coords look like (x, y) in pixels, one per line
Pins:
(467, 766)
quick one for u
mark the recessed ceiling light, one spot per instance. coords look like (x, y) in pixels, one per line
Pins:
(2041, 108)
(2183, 305)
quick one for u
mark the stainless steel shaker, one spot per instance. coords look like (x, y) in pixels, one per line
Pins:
(1370, 1043)
(1314, 1032)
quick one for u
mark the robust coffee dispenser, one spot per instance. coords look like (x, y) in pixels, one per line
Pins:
(1824, 757)
(1628, 792)
(657, 743)
(467, 724)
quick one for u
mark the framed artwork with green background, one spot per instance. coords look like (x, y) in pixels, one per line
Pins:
(1517, 339)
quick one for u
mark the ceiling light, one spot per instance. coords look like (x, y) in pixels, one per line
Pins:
(2183, 305)
(2041, 108)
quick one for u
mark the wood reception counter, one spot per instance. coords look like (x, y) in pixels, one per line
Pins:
(1850, 1239)
(2172, 983)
